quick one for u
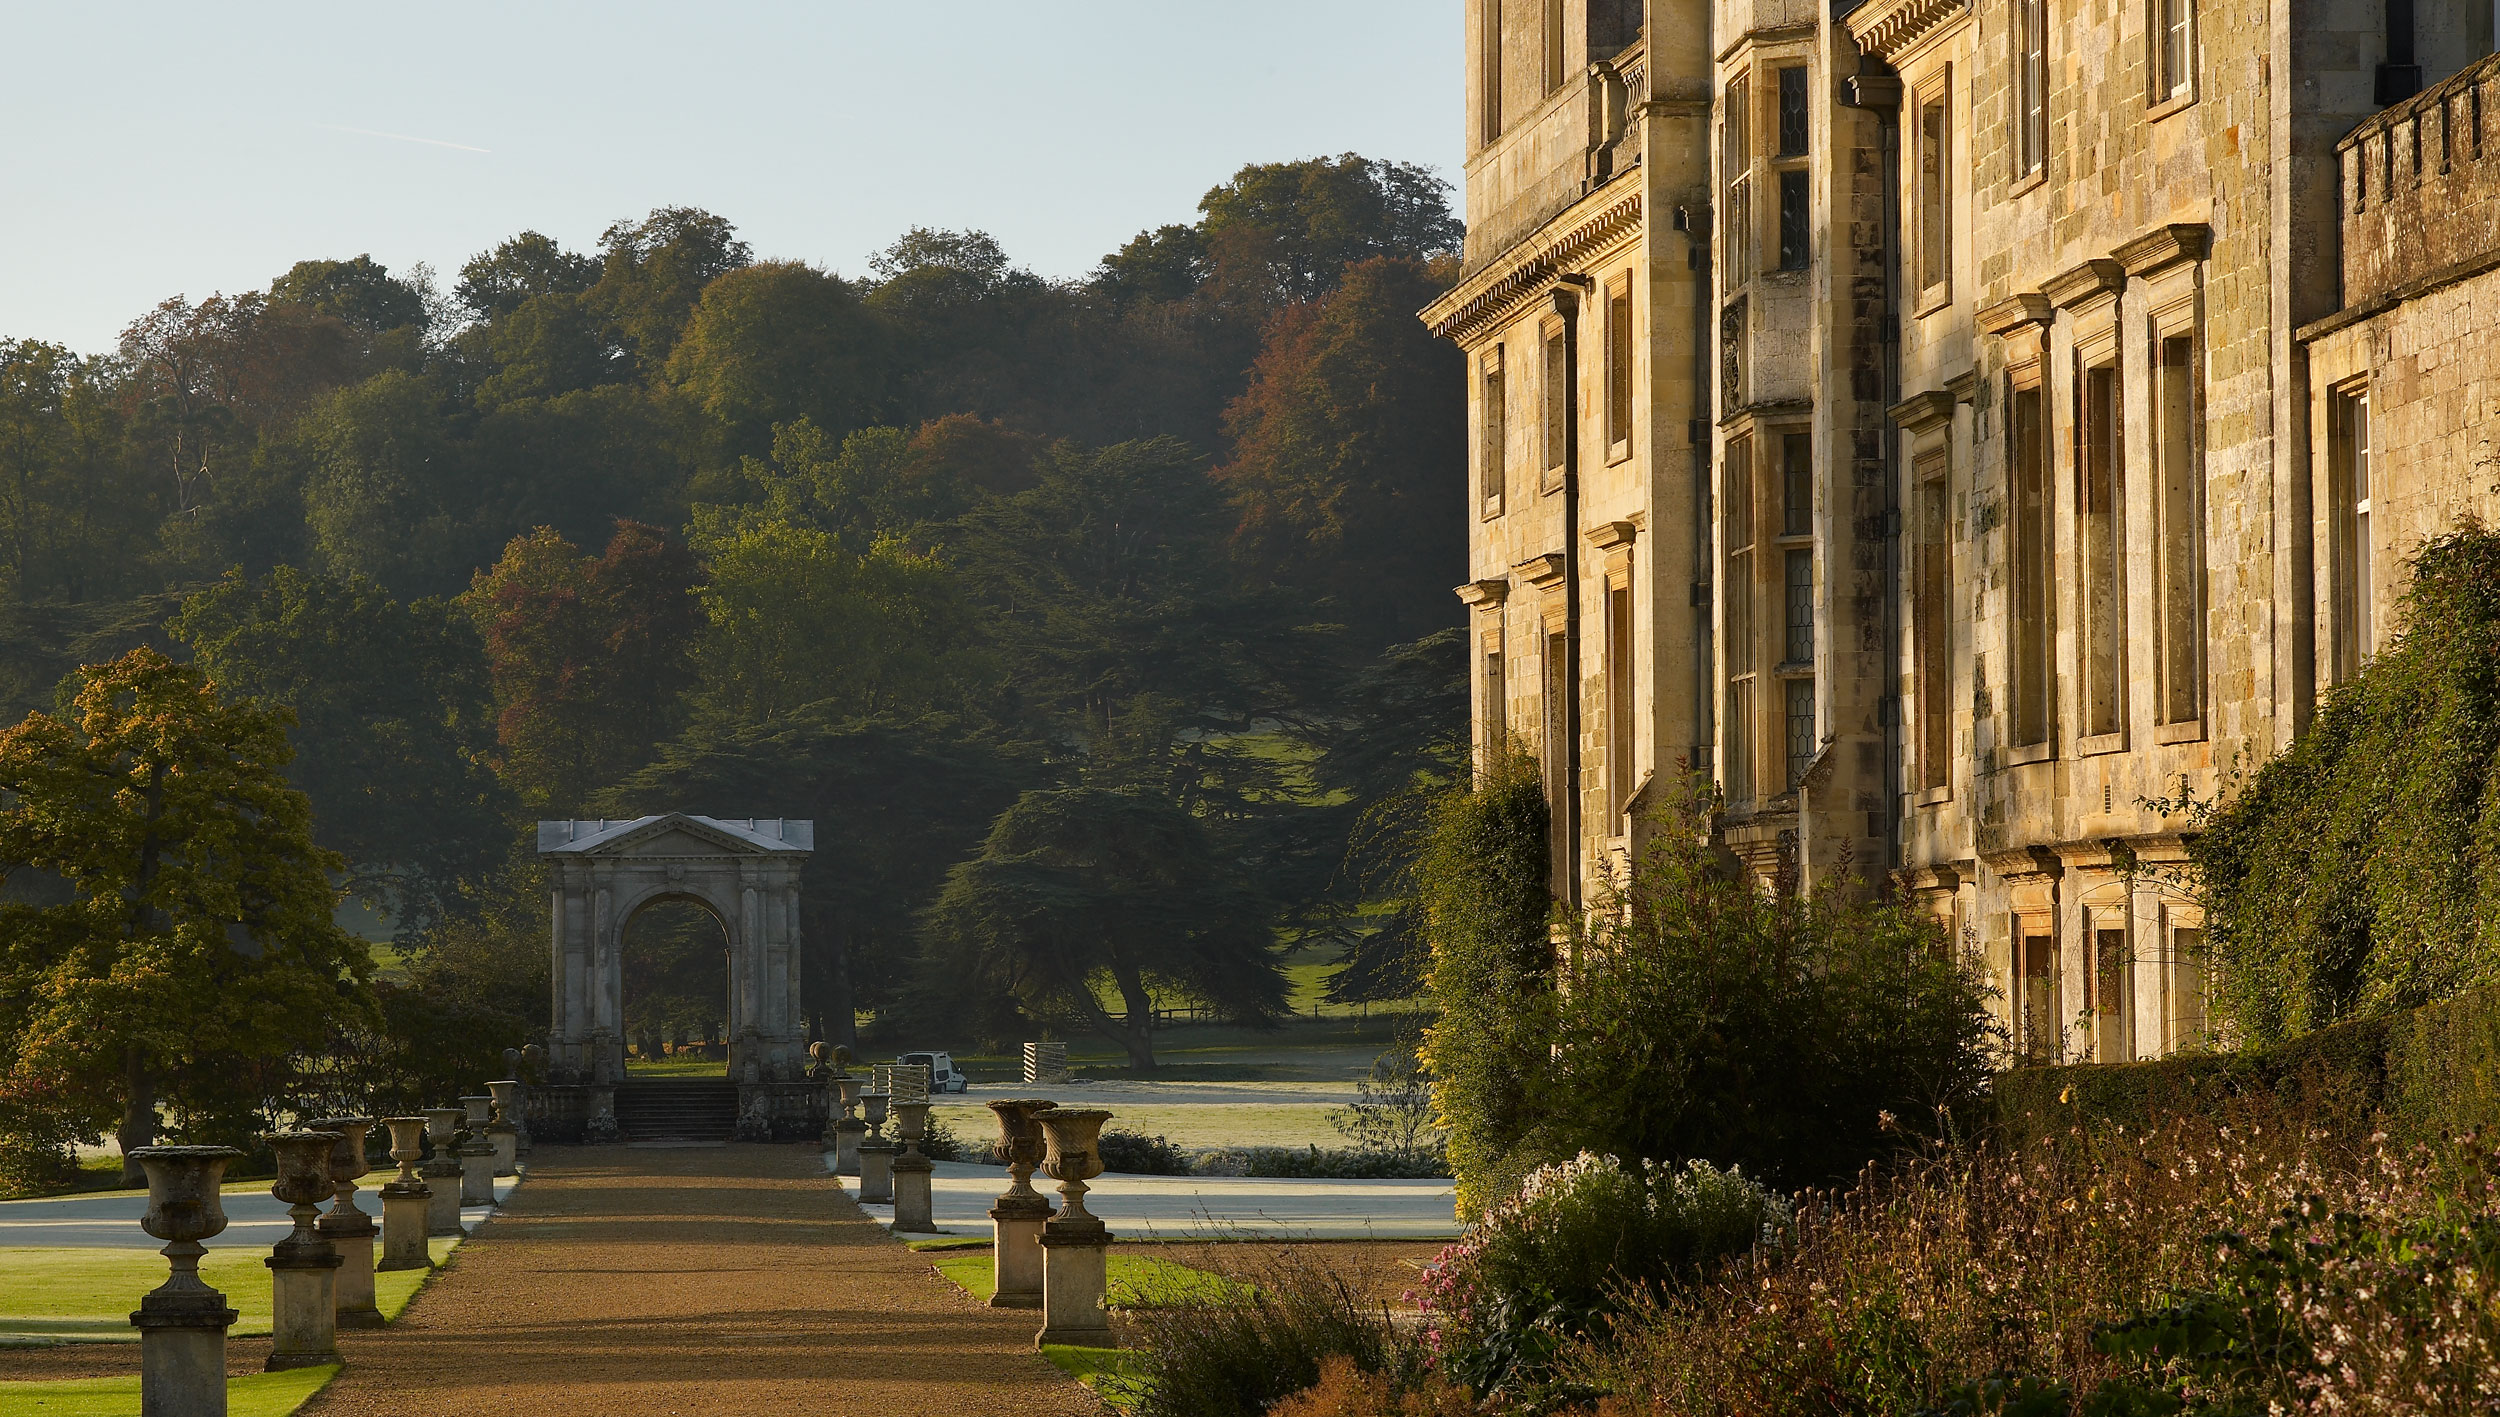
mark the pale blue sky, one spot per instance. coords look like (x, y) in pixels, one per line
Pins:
(160, 149)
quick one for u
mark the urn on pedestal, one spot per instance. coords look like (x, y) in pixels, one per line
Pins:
(348, 1229)
(1074, 1243)
(849, 1132)
(442, 1171)
(303, 1270)
(404, 1198)
(1017, 1215)
(876, 1154)
(182, 1323)
(503, 1133)
(477, 1154)
(914, 1206)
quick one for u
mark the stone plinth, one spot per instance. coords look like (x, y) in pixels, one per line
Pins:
(182, 1323)
(404, 1198)
(303, 1269)
(1075, 1245)
(442, 1172)
(477, 1171)
(846, 1138)
(876, 1171)
(504, 1133)
(1016, 1220)
(348, 1229)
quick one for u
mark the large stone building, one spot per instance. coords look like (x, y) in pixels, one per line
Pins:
(1963, 429)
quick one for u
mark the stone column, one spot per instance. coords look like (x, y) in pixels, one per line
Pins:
(442, 1172)
(182, 1323)
(914, 1206)
(848, 1132)
(477, 1154)
(876, 1154)
(501, 1133)
(303, 1271)
(1017, 1217)
(349, 1230)
(1075, 1246)
(404, 1199)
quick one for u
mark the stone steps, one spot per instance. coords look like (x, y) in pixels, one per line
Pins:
(679, 1110)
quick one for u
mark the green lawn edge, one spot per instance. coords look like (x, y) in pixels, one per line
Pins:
(253, 1395)
(50, 1301)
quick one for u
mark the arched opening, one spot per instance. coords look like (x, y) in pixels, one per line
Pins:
(674, 955)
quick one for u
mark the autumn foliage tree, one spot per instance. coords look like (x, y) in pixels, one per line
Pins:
(168, 922)
(589, 657)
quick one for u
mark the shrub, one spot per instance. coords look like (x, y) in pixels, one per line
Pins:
(1481, 875)
(1344, 1390)
(2358, 872)
(1140, 1155)
(2194, 1268)
(1550, 1264)
(1239, 1358)
(1794, 1036)
(1335, 1163)
(1392, 1107)
(943, 1143)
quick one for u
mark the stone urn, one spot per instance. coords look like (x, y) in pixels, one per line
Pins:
(1021, 1148)
(1073, 1157)
(184, 1208)
(873, 1105)
(442, 1171)
(911, 1126)
(405, 1199)
(348, 1229)
(182, 1323)
(533, 1064)
(303, 1320)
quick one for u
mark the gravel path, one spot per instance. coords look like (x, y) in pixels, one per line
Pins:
(703, 1280)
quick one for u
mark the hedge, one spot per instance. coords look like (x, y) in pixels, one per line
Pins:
(2415, 1074)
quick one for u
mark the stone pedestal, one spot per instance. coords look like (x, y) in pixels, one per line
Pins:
(876, 1171)
(348, 1229)
(847, 1135)
(1075, 1245)
(477, 1171)
(442, 1172)
(601, 1129)
(504, 1133)
(404, 1198)
(303, 1271)
(914, 1208)
(1075, 1277)
(182, 1323)
(1016, 1220)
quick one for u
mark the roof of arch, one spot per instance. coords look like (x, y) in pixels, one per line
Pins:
(678, 835)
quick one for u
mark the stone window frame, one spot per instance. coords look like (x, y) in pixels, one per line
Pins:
(1620, 328)
(2174, 309)
(1783, 164)
(1929, 422)
(1740, 595)
(1620, 623)
(2177, 917)
(2352, 557)
(1493, 669)
(1555, 403)
(2030, 69)
(1492, 433)
(2097, 349)
(1736, 164)
(1933, 201)
(2167, 92)
(2026, 373)
(1488, 73)
(1550, 28)
(2105, 910)
(2035, 938)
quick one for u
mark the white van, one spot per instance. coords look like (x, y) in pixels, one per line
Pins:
(943, 1076)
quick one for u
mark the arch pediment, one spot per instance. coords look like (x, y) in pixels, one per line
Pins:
(678, 835)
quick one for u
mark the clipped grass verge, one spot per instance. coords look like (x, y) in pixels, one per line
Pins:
(1116, 1375)
(256, 1395)
(1136, 1281)
(85, 1295)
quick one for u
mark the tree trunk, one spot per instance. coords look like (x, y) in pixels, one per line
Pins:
(138, 1126)
(1141, 1016)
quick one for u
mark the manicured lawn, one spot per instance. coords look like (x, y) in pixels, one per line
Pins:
(88, 1293)
(259, 1395)
(1137, 1281)
(1115, 1374)
(681, 1065)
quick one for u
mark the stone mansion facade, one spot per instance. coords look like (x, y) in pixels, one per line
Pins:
(1964, 429)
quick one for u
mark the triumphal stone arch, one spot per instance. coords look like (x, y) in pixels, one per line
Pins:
(745, 871)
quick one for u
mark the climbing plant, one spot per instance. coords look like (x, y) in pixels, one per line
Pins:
(2358, 872)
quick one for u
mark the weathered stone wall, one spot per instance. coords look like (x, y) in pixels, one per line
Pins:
(2421, 187)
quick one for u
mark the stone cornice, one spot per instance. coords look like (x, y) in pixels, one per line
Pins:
(2022, 861)
(1890, 28)
(1606, 536)
(1483, 594)
(2165, 246)
(1491, 295)
(1922, 411)
(2027, 307)
(2095, 279)
(1540, 570)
